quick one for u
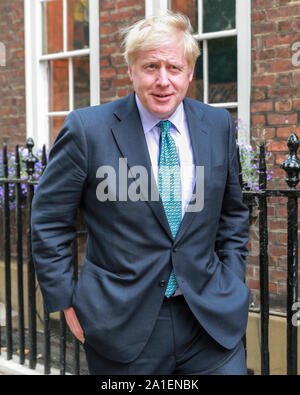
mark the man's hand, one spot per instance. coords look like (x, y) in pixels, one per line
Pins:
(73, 324)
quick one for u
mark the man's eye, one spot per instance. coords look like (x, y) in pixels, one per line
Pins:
(151, 66)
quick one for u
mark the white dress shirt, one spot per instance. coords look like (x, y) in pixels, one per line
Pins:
(180, 133)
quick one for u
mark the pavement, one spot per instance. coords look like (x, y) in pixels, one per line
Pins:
(13, 367)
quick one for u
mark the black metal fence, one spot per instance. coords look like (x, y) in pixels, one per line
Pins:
(40, 342)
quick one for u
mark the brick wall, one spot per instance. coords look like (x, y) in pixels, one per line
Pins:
(114, 15)
(275, 113)
(12, 75)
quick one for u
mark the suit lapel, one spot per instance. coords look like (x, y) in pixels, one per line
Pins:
(130, 138)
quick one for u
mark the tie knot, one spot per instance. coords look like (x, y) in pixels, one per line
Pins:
(164, 126)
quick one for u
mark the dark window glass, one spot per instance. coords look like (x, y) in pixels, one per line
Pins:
(222, 66)
(218, 15)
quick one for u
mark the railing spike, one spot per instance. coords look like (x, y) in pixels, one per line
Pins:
(292, 164)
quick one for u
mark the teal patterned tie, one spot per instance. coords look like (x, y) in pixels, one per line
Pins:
(169, 188)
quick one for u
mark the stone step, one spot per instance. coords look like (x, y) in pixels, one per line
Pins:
(3, 315)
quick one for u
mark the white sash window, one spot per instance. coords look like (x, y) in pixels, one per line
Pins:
(62, 63)
(223, 71)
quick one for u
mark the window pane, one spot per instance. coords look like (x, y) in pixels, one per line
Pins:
(222, 66)
(52, 26)
(233, 113)
(78, 24)
(196, 86)
(58, 85)
(81, 82)
(218, 15)
(189, 8)
(55, 124)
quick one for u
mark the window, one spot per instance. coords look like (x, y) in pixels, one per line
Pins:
(62, 63)
(222, 75)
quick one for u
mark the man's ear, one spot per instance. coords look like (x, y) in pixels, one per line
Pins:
(191, 74)
(130, 72)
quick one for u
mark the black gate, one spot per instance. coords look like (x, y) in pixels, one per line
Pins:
(17, 193)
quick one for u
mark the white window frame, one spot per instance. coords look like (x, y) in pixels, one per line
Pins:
(243, 33)
(36, 69)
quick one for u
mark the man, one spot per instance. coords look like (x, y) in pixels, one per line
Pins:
(161, 290)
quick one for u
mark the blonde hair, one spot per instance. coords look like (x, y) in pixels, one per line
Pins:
(150, 33)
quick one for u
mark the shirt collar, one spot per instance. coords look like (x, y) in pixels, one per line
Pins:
(149, 120)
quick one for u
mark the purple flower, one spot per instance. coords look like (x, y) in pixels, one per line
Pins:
(23, 174)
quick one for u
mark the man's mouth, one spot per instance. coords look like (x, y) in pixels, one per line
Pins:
(161, 96)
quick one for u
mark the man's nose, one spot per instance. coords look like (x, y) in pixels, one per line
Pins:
(163, 79)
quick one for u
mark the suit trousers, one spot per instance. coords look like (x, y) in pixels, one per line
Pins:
(178, 345)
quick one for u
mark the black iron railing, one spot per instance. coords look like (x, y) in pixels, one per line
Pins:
(67, 343)
(292, 167)
(31, 342)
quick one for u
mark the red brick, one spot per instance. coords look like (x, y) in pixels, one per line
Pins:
(284, 132)
(104, 62)
(258, 16)
(283, 91)
(282, 12)
(252, 284)
(280, 65)
(281, 119)
(273, 287)
(107, 29)
(121, 82)
(276, 250)
(296, 104)
(258, 94)
(265, 133)
(258, 120)
(277, 146)
(283, 105)
(262, 106)
(264, 28)
(283, 238)
(281, 212)
(283, 79)
(296, 78)
(279, 158)
(284, 25)
(120, 16)
(264, 80)
(109, 5)
(127, 3)
(283, 52)
(262, 4)
(276, 39)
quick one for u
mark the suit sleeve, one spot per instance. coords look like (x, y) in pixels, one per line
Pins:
(54, 209)
(233, 230)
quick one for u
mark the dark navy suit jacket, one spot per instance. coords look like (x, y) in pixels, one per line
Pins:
(130, 250)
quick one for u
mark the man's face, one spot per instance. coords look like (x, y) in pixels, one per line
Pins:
(161, 78)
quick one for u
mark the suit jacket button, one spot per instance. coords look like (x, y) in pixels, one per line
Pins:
(175, 249)
(162, 283)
